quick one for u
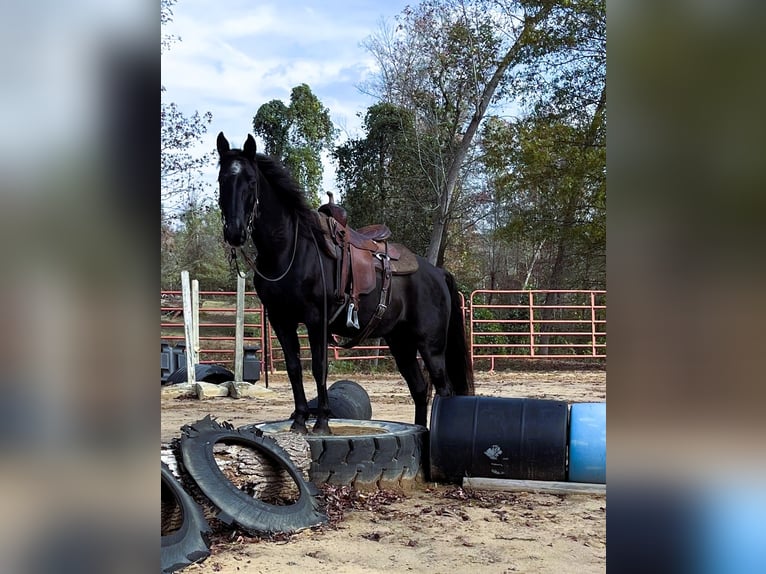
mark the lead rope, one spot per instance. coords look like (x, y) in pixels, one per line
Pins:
(252, 263)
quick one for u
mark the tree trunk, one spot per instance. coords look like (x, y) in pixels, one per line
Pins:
(455, 162)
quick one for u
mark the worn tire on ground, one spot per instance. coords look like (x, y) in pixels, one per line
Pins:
(215, 374)
(235, 505)
(389, 455)
(189, 542)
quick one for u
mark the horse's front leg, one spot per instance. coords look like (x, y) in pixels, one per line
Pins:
(288, 339)
(318, 343)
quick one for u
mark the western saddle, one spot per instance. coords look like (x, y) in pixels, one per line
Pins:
(360, 255)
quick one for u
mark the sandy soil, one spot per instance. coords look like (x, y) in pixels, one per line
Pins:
(432, 528)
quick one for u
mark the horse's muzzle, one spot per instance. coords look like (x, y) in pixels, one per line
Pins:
(234, 235)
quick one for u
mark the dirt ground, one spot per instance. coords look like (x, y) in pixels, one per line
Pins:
(432, 528)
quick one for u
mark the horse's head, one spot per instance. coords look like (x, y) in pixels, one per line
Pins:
(238, 188)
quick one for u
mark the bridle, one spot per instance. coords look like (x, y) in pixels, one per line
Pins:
(250, 260)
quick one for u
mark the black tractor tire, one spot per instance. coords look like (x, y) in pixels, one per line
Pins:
(215, 374)
(189, 543)
(235, 505)
(387, 455)
(347, 400)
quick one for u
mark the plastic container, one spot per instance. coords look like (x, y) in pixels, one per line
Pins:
(494, 437)
(587, 443)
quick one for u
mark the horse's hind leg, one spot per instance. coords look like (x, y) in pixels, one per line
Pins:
(436, 366)
(405, 350)
(432, 348)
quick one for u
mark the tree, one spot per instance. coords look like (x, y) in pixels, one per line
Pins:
(548, 169)
(297, 134)
(180, 169)
(550, 183)
(189, 238)
(447, 61)
(380, 179)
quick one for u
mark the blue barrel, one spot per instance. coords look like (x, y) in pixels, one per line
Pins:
(587, 443)
(492, 437)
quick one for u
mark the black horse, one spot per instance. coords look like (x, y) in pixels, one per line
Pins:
(295, 279)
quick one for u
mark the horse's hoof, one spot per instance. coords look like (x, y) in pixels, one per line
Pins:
(321, 429)
(299, 428)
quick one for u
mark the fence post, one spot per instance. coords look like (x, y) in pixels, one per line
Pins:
(195, 319)
(189, 327)
(239, 329)
(470, 326)
(531, 324)
(268, 355)
(593, 323)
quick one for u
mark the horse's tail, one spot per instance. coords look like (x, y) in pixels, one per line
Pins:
(457, 356)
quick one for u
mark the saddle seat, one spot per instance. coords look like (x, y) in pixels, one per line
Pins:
(375, 232)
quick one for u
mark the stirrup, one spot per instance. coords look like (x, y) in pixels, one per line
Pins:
(352, 317)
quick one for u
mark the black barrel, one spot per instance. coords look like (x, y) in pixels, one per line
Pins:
(492, 437)
(348, 400)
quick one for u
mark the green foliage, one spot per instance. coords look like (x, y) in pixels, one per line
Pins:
(551, 182)
(297, 134)
(196, 245)
(272, 123)
(548, 169)
(380, 179)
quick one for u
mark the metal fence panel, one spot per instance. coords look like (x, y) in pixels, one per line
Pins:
(501, 325)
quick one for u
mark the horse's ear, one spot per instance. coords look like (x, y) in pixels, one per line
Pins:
(222, 144)
(249, 148)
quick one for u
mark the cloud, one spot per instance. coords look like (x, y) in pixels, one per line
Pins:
(235, 57)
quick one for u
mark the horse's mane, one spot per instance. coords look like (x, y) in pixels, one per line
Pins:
(290, 193)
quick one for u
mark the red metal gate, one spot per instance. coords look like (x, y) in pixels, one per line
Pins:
(537, 324)
(502, 325)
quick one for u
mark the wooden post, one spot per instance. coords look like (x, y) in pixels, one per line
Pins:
(195, 319)
(531, 323)
(188, 326)
(239, 332)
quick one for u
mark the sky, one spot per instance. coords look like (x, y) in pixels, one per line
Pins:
(233, 57)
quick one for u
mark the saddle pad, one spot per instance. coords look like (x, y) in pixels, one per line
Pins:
(407, 262)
